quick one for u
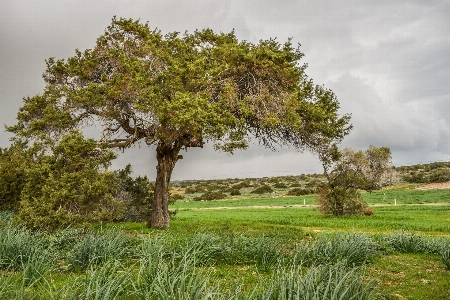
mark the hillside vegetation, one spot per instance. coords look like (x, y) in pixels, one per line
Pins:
(300, 185)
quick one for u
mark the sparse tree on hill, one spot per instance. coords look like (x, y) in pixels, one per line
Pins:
(179, 91)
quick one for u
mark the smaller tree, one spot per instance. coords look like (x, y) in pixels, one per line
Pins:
(350, 171)
(68, 184)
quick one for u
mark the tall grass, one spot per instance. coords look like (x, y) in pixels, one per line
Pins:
(37, 266)
(409, 242)
(6, 217)
(350, 248)
(95, 249)
(20, 247)
(323, 282)
(160, 278)
(446, 257)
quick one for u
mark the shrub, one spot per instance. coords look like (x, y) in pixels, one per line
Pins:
(211, 196)
(264, 189)
(235, 192)
(14, 162)
(341, 201)
(300, 192)
(136, 194)
(69, 186)
(175, 197)
(280, 185)
(240, 185)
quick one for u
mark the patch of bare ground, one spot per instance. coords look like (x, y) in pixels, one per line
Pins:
(435, 186)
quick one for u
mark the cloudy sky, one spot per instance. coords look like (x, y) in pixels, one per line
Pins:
(387, 61)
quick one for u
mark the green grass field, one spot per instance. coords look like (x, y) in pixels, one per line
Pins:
(246, 248)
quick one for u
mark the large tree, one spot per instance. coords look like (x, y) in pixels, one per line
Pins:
(178, 91)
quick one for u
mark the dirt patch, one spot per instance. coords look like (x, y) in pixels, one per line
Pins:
(435, 186)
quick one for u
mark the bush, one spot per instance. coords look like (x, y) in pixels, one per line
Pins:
(300, 192)
(174, 197)
(70, 186)
(14, 162)
(194, 189)
(136, 194)
(340, 201)
(211, 196)
(241, 185)
(235, 192)
(280, 185)
(264, 189)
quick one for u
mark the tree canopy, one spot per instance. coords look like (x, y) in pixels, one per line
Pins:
(178, 91)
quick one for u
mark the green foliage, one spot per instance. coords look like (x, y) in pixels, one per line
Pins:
(300, 192)
(264, 189)
(171, 279)
(426, 173)
(37, 265)
(350, 171)
(181, 264)
(174, 197)
(136, 194)
(14, 162)
(235, 192)
(280, 185)
(179, 91)
(69, 187)
(211, 196)
(340, 201)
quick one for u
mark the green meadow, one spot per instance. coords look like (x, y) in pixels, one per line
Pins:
(243, 248)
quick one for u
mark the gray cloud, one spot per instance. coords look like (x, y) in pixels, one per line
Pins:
(387, 61)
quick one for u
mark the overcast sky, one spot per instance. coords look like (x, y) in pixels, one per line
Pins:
(387, 61)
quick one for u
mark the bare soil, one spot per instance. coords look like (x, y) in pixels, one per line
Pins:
(435, 186)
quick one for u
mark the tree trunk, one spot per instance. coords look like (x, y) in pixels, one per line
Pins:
(167, 156)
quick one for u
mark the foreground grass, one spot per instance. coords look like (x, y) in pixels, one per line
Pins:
(401, 252)
(205, 265)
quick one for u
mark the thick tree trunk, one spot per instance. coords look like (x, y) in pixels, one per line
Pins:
(167, 156)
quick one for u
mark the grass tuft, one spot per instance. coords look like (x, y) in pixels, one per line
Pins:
(96, 249)
(352, 249)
